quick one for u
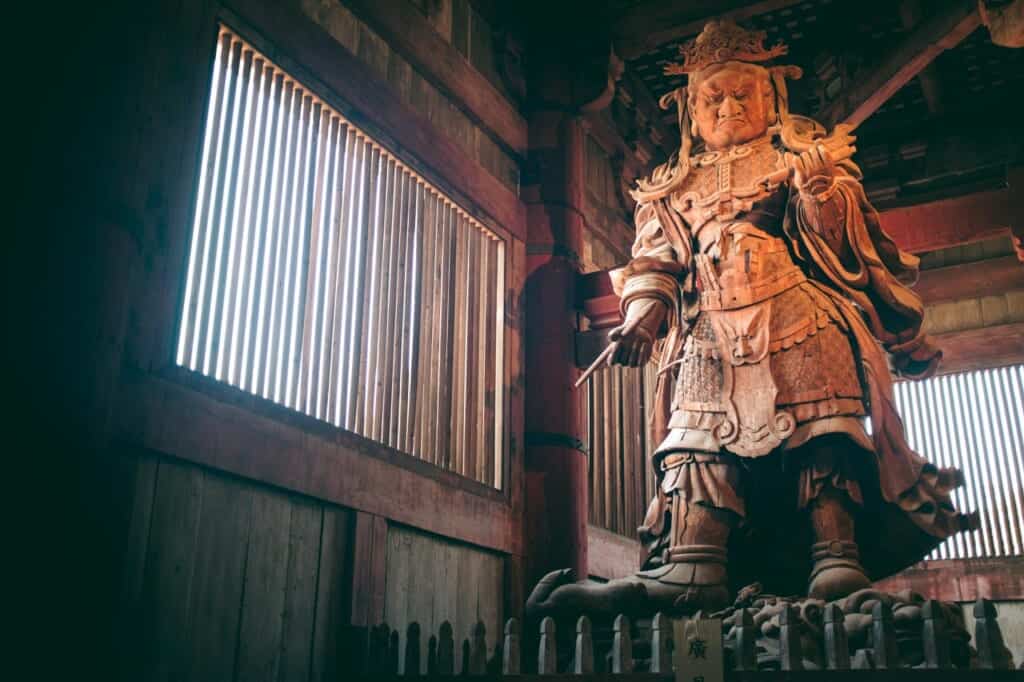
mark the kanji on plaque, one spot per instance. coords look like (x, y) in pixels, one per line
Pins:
(699, 654)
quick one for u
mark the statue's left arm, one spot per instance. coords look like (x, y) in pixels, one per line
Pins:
(837, 232)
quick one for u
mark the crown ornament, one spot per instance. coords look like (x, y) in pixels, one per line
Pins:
(723, 41)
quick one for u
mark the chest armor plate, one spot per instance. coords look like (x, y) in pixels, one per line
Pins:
(723, 184)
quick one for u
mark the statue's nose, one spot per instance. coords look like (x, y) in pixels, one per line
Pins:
(730, 107)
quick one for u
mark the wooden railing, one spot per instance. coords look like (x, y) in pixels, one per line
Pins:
(648, 651)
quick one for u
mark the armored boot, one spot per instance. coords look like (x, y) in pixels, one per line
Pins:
(837, 571)
(693, 576)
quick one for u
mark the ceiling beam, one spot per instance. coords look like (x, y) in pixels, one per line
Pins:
(991, 277)
(655, 22)
(952, 222)
(982, 348)
(942, 31)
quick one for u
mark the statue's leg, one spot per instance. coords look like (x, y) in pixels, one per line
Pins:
(704, 508)
(830, 493)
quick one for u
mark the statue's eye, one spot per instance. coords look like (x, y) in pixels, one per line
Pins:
(740, 95)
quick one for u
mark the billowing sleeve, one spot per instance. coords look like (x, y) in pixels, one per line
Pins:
(660, 258)
(839, 233)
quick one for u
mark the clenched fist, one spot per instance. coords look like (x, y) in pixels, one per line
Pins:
(634, 338)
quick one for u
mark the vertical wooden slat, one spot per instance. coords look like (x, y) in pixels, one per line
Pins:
(458, 354)
(504, 367)
(327, 366)
(218, 282)
(313, 284)
(615, 448)
(446, 321)
(354, 342)
(426, 351)
(363, 401)
(398, 305)
(207, 187)
(597, 445)
(304, 229)
(238, 259)
(488, 334)
(473, 464)
(416, 234)
(346, 257)
(375, 304)
(282, 204)
(390, 380)
(214, 224)
(252, 235)
(320, 246)
(389, 264)
(254, 362)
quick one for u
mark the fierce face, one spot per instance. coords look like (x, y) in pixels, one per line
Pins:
(732, 106)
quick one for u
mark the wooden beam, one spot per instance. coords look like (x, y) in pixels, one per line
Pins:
(373, 105)
(199, 420)
(945, 29)
(652, 23)
(990, 277)
(995, 346)
(408, 32)
(961, 580)
(951, 222)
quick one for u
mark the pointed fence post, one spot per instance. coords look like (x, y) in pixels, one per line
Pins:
(883, 637)
(411, 667)
(746, 642)
(478, 650)
(392, 659)
(583, 658)
(380, 637)
(661, 644)
(988, 638)
(510, 660)
(837, 647)
(446, 650)
(547, 653)
(790, 652)
(622, 646)
(464, 669)
(432, 656)
(934, 635)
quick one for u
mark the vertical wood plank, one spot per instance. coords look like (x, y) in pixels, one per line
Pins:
(305, 530)
(446, 320)
(130, 613)
(426, 351)
(216, 596)
(169, 570)
(263, 598)
(333, 595)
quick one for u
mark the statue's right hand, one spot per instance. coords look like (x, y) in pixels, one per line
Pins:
(634, 338)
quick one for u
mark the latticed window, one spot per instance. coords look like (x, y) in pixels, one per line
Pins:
(974, 421)
(329, 277)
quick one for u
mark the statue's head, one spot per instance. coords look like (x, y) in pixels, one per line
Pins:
(730, 98)
(731, 103)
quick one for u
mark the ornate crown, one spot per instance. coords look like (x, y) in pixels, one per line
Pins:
(723, 41)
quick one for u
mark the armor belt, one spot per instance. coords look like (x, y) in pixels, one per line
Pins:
(740, 297)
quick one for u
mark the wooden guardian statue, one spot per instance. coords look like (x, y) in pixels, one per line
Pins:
(763, 285)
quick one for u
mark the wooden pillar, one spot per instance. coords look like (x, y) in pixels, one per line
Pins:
(556, 464)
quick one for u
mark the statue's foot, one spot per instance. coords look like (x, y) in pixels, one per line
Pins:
(557, 594)
(686, 588)
(837, 572)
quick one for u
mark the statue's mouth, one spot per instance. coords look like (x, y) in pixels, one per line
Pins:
(732, 120)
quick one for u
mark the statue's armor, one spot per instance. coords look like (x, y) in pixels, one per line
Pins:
(768, 361)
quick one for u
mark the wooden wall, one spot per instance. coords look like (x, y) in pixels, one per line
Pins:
(227, 579)
(431, 580)
(192, 531)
